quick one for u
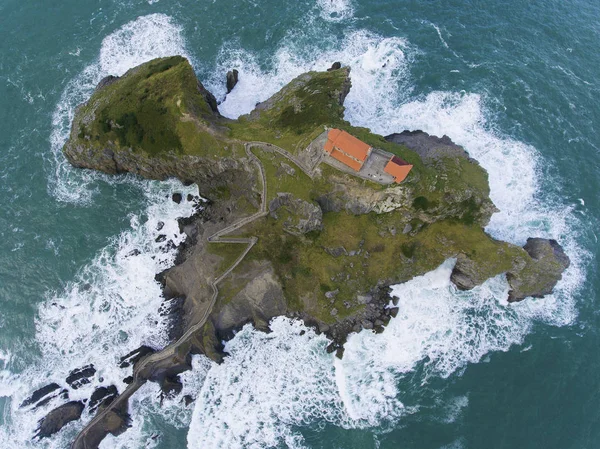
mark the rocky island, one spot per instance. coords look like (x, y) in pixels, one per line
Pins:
(285, 229)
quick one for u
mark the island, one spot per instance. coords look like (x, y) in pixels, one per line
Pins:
(301, 214)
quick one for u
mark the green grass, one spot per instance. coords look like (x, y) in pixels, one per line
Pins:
(298, 113)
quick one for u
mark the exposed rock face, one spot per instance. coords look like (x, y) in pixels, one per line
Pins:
(426, 146)
(533, 273)
(540, 278)
(59, 417)
(261, 299)
(232, 79)
(299, 216)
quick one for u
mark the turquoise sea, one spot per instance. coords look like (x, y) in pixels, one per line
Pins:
(515, 82)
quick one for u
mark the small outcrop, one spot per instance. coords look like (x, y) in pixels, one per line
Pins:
(80, 376)
(101, 397)
(539, 277)
(41, 393)
(298, 216)
(232, 79)
(58, 418)
(134, 356)
(335, 66)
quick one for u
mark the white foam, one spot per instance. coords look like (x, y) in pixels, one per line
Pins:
(138, 41)
(370, 57)
(335, 10)
(110, 309)
(268, 384)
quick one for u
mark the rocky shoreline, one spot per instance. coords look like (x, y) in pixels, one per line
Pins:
(319, 245)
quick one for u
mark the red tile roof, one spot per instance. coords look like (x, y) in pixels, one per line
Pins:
(348, 144)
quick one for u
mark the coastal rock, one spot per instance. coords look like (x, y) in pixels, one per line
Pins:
(40, 393)
(538, 278)
(134, 356)
(106, 81)
(335, 66)
(80, 376)
(58, 418)
(299, 217)
(101, 397)
(430, 148)
(232, 79)
(177, 197)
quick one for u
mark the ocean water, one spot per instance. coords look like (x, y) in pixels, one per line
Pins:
(514, 82)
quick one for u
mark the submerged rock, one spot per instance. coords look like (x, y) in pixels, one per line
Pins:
(58, 418)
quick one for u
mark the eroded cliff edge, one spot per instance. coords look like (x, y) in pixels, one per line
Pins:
(321, 245)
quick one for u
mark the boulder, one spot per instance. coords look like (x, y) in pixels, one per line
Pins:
(177, 197)
(232, 79)
(58, 418)
(538, 277)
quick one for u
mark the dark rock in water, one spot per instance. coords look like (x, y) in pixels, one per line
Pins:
(40, 393)
(64, 394)
(161, 238)
(177, 197)
(187, 400)
(133, 253)
(114, 421)
(160, 225)
(538, 280)
(102, 396)
(106, 81)
(128, 380)
(335, 66)
(58, 418)
(79, 377)
(171, 386)
(134, 356)
(232, 79)
(190, 197)
(393, 311)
